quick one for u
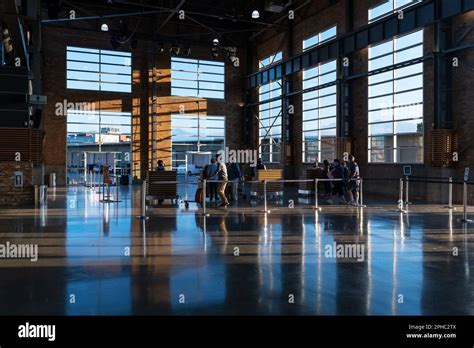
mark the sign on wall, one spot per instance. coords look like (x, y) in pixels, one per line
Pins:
(18, 179)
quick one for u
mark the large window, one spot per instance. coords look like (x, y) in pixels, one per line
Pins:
(99, 70)
(197, 78)
(95, 138)
(98, 127)
(319, 105)
(395, 101)
(270, 112)
(196, 133)
(388, 7)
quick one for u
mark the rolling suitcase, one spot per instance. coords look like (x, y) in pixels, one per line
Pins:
(198, 198)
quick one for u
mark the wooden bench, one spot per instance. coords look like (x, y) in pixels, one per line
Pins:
(274, 189)
(158, 192)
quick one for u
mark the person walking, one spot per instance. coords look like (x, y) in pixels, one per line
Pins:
(223, 179)
(234, 176)
(210, 173)
(338, 173)
(354, 181)
(326, 172)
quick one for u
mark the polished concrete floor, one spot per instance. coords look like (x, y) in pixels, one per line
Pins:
(99, 259)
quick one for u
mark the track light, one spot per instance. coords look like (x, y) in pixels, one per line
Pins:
(186, 51)
(215, 52)
(255, 14)
(104, 27)
(175, 51)
(8, 49)
(160, 48)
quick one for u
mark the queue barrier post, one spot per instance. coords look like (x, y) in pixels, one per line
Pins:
(362, 194)
(464, 219)
(143, 202)
(407, 190)
(316, 194)
(450, 193)
(265, 205)
(204, 185)
(400, 198)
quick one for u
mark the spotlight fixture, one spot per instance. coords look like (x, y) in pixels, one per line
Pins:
(7, 47)
(215, 51)
(215, 42)
(231, 54)
(186, 52)
(160, 48)
(175, 51)
(255, 14)
(104, 27)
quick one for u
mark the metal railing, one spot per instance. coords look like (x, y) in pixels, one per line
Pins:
(403, 202)
(266, 209)
(403, 199)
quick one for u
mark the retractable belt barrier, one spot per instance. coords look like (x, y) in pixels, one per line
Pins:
(264, 182)
(402, 201)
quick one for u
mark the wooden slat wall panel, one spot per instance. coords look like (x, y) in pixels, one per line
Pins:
(443, 143)
(28, 142)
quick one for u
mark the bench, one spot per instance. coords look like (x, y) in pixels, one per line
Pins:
(274, 189)
(158, 192)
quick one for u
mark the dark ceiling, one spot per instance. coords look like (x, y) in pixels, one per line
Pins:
(229, 20)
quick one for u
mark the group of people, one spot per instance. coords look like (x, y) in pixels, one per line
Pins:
(347, 184)
(221, 175)
(345, 188)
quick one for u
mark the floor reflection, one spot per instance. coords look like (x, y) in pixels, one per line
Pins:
(99, 259)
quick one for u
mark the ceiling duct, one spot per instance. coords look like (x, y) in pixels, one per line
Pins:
(276, 6)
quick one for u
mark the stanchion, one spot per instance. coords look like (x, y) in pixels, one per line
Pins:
(265, 207)
(117, 181)
(316, 194)
(407, 188)
(143, 202)
(400, 200)
(450, 193)
(204, 184)
(361, 205)
(464, 219)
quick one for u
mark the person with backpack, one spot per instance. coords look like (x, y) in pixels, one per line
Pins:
(234, 177)
(338, 173)
(210, 173)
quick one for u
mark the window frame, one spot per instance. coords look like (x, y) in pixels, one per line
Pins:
(198, 63)
(99, 53)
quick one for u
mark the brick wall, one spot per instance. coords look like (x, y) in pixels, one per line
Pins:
(321, 14)
(16, 196)
(139, 102)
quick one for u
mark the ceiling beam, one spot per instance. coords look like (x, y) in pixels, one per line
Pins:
(172, 14)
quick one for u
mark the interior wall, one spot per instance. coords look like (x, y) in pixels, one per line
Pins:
(139, 102)
(316, 17)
